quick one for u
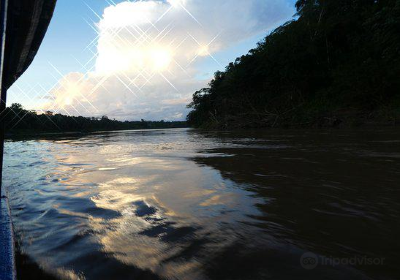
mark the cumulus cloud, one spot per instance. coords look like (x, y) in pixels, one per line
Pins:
(148, 54)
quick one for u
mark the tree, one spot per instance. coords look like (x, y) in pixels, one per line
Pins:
(338, 55)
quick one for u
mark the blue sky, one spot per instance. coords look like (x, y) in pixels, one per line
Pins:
(238, 26)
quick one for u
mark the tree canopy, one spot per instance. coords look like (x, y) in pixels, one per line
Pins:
(337, 57)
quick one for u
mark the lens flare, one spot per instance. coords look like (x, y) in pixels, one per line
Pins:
(161, 58)
(68, 101)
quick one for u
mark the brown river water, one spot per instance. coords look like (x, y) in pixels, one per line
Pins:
(187, 204)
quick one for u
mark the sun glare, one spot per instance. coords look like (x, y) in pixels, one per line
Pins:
(150, 58)
(68, 101)
(176, 3)
(161, 58)
(68, 94)
(203, 51)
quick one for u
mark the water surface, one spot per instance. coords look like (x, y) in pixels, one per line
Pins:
(184, 204)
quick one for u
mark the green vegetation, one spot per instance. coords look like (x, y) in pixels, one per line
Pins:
(20, 121)
(338, 62)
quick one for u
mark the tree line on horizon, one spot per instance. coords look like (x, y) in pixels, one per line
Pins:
(337, 59)
(19, 120)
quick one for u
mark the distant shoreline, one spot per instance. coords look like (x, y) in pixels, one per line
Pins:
(350, 120)
(33, 134)
(19, 121)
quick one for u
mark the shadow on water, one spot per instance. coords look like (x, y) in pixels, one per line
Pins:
(334, 194)
(28, 269)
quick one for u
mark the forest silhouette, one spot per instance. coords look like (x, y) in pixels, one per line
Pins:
(20, 121)
(336, 62)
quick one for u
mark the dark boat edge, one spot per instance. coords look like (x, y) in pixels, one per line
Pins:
(23, 25)
(7, 249)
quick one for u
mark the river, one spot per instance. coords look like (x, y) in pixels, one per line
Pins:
(187, 204)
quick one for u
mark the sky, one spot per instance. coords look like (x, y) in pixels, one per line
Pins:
(133, 60)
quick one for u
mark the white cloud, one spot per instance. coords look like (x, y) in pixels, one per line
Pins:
(149, 52)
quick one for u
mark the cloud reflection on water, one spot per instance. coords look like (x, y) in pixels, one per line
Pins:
(209, 206)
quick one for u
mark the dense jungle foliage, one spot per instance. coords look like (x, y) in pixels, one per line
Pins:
(18, 120)
(336, 62)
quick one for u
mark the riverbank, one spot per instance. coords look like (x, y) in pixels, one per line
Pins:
(336, 64)
(19, 121)
(308, 119)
